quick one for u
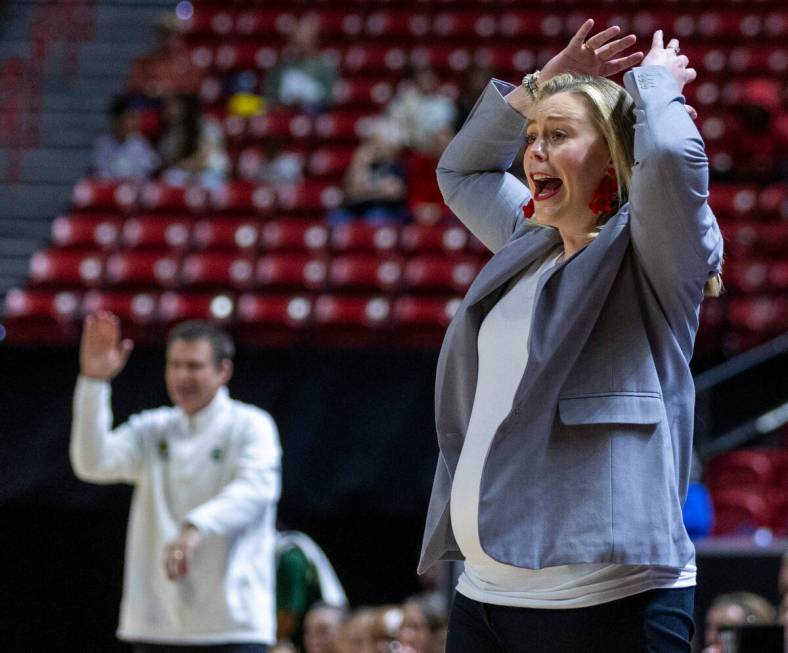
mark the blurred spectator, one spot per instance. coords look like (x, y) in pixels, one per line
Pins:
(476, 79)
(424, 115)
(191, 146)
(357, 633)
(761, 149)
(385, 628)
(321, 628)
(304, 77)
(698, 510)
(423, 627)
(304, 576)
(735, 609)
(375, 183)
(124, 153)
(168, 69)
(272, 164)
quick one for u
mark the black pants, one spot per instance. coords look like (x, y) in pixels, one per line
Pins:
(658, 621)
(194, 648)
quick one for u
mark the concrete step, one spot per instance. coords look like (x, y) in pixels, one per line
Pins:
(36, 201)
(52, 165)
(15, 265)
(16, 247)
(26, 228)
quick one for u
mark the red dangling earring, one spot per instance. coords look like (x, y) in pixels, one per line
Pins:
(605, 198)
(528, 209)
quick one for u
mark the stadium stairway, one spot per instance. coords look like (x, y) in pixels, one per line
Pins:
(59, 65)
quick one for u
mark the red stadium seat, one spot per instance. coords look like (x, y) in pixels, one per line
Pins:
(779, 508)
(734, 201)
(226, 233)
(142, 269)
(35, 316)
(291, 271)
(105, 195)
(372, 59)
(157, 195)
(758, 59)
(343, 126)
(294, 235)
(397, 24)
(530, 23)
(773, 201)
(364, 272)
(419, 238)
(759, 314)
(265, 22)
(217, 270)
(139, 308)
(243, 197)
(58, 268)
(441, 57)
(330, 162)
(359, 236)
(207, 21)
(176, 307)
(86, 230)
(467, 24)
(281, 124)
(309, 197)
(508, 60)
(361, 93)
(439, 273)
(744, 469)
(335, 310)
(292, 311)
(749, 276)
(779, 459)
(157, 232)
(739, 512)
(412, 311)
(334, 23)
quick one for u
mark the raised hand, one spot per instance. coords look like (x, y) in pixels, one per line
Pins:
(669, 57)
(595, 56)
(102, 353)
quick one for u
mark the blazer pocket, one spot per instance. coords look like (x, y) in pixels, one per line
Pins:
(612, 408)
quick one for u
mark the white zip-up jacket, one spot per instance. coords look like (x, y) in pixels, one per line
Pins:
(218, 470)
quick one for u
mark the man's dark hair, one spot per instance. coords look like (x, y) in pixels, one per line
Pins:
(221, 343)
(118, 106)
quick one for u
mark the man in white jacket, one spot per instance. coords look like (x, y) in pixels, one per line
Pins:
(200, 546)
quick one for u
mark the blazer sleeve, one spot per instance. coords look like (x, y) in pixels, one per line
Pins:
(674, 232)
(472, 170)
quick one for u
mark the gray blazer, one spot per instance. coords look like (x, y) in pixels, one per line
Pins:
(592, 463)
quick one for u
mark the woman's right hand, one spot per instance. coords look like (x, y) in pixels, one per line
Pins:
(594, 56)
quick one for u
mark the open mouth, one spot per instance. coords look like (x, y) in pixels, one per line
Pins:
(545, 187)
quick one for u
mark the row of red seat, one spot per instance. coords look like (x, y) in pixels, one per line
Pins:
(749, 490)
(489, 22)
(734, 201)
(35, 316)
(376, 59)
(151, 269)
(178, 233)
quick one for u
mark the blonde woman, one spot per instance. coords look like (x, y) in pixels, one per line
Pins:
(564, 399)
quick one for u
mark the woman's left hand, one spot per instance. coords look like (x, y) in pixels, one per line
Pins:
(594, 56)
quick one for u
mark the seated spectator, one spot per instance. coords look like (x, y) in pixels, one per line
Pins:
(476, 79)
(168, 69)
(191, 147)
(271, 164)
(304, 78)
(423, 628)
(357, 633)
(375, 184)
(424, 115)
(123, 153)
(385, 627)
(321, 628)
(304, 577)
(737, 608)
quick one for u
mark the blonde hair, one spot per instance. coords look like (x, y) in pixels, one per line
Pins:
(612, 112)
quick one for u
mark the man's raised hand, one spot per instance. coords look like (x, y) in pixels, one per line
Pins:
(102, 353)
